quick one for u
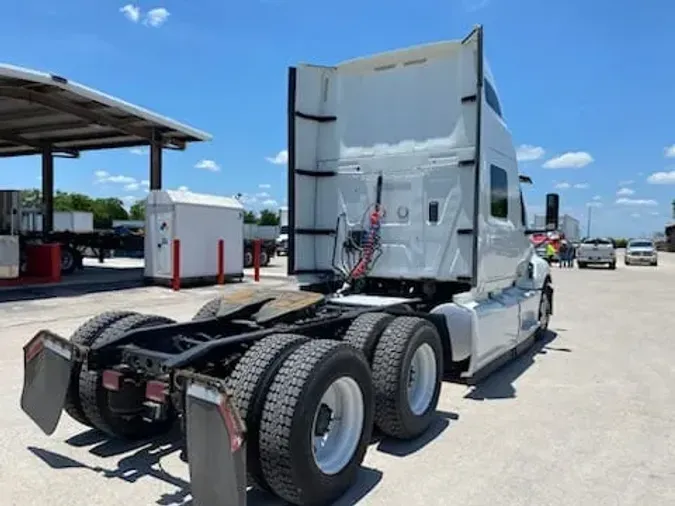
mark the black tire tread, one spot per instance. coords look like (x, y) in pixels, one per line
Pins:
(387, 364)
(365, 330)
(85, 335)
(284, 399)
(208, 310)
(248, 385)
(90, 385)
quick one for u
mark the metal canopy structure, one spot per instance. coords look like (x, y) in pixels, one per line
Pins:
(49, 115)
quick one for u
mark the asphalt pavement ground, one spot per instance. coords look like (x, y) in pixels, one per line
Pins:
(586, 418)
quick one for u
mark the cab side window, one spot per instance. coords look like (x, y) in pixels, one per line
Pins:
(491, 98)
(499, 193)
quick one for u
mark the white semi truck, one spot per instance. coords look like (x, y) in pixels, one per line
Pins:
(407, 232)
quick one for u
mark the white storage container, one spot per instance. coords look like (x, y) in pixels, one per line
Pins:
(64, 221)
(198, 221)
(265, 232)
(9, 257)
(73, 221)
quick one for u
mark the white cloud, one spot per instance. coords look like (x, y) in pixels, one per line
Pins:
(264, 186)
(636, 202)
(662, 178)
(156, 17)
(626, 182)
(145, 182)
(207, 165)
(262, 195)
(105, 177)
(527, 152)
(562, 185)
(281, 158)
(132, 186)
(581, 186)
(669, 152)
(597, 197)
(138, 151)
(625, 192)
(131, 12)
(635, 215)
(270, 203)
(571, 160)
(120, 179)
(183, 189)
(594, 204)
(655, 213)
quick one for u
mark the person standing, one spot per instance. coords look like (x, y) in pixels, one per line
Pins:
(562, 254)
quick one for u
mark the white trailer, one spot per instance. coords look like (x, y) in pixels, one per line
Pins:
(569, 226)
(407, 233)
(198, 221)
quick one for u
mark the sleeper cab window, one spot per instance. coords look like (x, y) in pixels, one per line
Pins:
(491, 98)
(499, 193)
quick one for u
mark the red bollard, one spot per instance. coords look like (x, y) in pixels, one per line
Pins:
(221, 262)
(175, 281)
(256, 259)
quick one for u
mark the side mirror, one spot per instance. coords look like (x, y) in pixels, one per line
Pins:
(552, 211)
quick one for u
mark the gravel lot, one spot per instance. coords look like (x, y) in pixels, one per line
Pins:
(586, 419)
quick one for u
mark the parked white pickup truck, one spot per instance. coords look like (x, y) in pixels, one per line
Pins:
(641, 252)
(596, 251)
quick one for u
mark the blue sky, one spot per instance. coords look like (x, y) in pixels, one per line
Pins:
(586, 88)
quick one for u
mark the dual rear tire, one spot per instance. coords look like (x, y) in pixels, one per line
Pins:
(90, 403)
(385, 374)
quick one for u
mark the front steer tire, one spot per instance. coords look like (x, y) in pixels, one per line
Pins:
(249, 383)
(85, 335)
(394, 413)
(288, 426)
(95, 398)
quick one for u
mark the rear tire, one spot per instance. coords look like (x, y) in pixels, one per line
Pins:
(582, 265)
(308, 456)
(85, 335)
(365, 331)
(264, 258)
(612, 266)
(208, 310)
(249, 384)
(68, 260)
(248, 259)
(95, 398)
(407, 375)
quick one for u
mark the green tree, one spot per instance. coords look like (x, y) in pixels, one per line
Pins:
(30, 198)
(108, 209)
(250, 217)
(137, 211)
(268, 218)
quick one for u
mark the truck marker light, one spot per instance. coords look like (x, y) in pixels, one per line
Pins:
(33, 348)
(111, 380)
(232, 422)
(156, 391)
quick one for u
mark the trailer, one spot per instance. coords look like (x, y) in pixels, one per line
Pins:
(428, 269)
(267, 236)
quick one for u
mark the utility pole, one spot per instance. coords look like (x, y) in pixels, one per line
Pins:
(588, 224)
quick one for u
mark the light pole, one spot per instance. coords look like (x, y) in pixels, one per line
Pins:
(588, 224)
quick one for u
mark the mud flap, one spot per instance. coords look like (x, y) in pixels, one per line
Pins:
(48, 362)
(215, 439)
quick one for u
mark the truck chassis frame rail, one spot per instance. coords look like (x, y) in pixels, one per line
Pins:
(228, 376)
